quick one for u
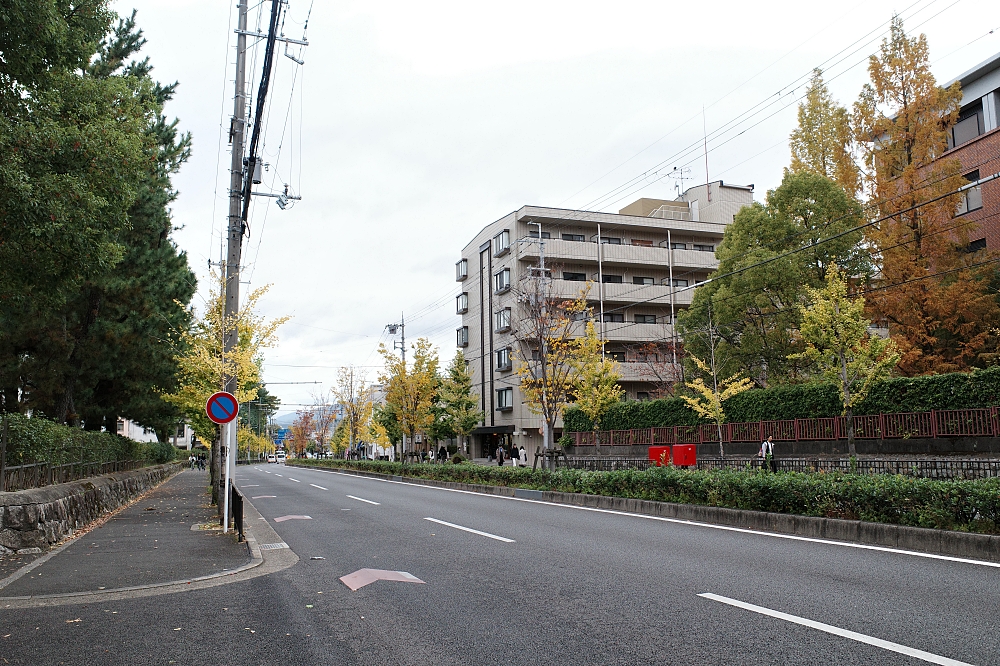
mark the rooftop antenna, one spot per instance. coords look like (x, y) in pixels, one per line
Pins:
(679, 174)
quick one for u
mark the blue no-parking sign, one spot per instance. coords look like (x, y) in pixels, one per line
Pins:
(222, 407)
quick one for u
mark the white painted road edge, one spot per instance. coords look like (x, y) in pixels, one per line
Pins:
(469, 529)
(364, 500)
(727, 528)
(837, 631)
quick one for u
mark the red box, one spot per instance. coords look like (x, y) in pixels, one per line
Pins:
(685, 455)
(659, 454)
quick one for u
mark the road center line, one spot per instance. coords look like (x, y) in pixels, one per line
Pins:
(295, 480)
(469, 529)
(276, 474)
(837, 631)
(363, 500)
(315, 486)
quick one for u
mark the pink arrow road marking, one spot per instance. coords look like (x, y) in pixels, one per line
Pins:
(362, 577)
(284, 518)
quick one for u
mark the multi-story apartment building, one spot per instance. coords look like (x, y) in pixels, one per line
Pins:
(641, 263)
(975, 142)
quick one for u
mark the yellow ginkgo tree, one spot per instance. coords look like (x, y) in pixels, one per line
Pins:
(708, 401)
(203, 365)
(595, 380)
(837, 339)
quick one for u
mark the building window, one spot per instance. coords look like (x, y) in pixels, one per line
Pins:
(576, 238)
(969, 126)
(536, 355)
(645, 319)
(462, 336)
(614, 317)
(972, 198)
(704, 248)
(501, 281)
(976, 245)
(462, 303)
(505, 399)
(503, 358)
(678, 282)
(501, 320)
(618, 356)
(575, 277)
(461, 270)
(612, 279)
(679, 246)
(642, 280)
(610, 240)
(501, 243)
(180, 430)
(120, 426)
(642, 395)
(534, 234)
(642, 243)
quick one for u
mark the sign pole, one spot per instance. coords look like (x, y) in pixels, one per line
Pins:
(225, 494)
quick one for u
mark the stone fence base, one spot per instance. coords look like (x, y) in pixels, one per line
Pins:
(42, 516)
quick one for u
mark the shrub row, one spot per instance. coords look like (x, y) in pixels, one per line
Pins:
(968, 505)
(980, 388)
(38, 440)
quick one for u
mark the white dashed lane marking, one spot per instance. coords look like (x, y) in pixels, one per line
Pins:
(363, 500)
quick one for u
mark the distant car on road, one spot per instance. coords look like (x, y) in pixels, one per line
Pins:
(280, 456)
(271, 458)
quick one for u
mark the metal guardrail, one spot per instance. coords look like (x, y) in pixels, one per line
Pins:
(924, 468)
(40, 474)
(934, 424)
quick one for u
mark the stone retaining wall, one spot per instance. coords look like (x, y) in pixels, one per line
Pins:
(42, 516)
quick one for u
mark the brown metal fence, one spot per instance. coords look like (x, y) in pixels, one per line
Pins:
(933, 424)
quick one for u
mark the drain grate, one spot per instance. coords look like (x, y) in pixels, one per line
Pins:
(274, 546)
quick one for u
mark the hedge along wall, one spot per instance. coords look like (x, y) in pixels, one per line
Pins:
(980, 388)
(39, 440)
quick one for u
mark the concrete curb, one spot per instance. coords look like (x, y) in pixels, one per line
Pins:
(917, 539)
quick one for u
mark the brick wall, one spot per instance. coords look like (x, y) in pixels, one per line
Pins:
(983, 153)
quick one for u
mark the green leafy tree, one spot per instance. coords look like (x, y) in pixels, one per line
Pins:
(595, 381)
(410, 390)
(460, 407)
(837, 339)
(767, 258)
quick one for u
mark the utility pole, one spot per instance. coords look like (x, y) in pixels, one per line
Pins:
(237, 133)
(401, 345)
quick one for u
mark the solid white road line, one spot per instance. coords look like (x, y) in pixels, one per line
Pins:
(363, 500)
(315, 486)
(295, 480)
(469, 529)
(837, 631)
(693, 523)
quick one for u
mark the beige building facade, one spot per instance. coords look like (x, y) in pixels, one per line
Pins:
(641, 266)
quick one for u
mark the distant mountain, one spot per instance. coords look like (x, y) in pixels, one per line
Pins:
(285, 420)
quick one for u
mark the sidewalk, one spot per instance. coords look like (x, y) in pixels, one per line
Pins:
(156, 540)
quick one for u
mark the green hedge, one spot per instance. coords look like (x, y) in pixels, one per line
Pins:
(980, 388)
(38, 440)
(633, 414)
(972, 506)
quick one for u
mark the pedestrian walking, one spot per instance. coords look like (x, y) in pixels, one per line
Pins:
(523, 455)
(515, 459)
(767, 454)
(442, 454)
(500, 455)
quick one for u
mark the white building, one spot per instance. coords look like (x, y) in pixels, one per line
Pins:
(642, 262)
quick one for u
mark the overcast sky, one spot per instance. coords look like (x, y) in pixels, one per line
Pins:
(414, 124)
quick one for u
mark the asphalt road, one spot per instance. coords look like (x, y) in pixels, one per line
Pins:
(535, 584)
